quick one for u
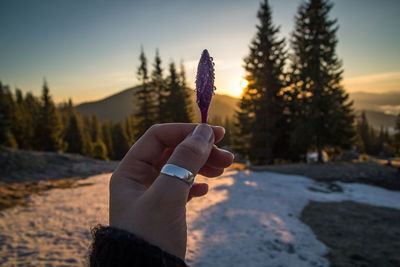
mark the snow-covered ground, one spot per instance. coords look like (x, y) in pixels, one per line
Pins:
(247, 219)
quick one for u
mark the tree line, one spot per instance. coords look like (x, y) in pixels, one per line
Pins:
(36, 123)
(379, 143)
(294, 103)
(161, 99)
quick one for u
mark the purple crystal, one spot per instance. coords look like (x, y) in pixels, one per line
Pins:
(205, 84)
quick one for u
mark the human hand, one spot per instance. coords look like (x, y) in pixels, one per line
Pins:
(153, 205)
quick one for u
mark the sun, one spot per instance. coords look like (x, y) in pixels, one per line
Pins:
(237, 87)
(243, 83)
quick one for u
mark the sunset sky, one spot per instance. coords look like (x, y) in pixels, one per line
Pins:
(89, 49)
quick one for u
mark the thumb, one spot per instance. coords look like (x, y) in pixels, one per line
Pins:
(191, 154)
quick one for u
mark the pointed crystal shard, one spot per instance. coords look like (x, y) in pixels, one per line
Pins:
(205, 84)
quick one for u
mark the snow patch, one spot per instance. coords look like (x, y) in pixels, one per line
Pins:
(246, 219)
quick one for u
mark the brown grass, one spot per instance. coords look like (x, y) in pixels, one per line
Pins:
(16, 193)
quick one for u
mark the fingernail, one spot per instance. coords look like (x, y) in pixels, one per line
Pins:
(204, 131)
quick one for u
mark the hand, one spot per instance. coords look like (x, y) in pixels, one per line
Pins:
(153, 205)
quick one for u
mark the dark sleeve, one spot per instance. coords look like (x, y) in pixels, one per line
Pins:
(115, 247)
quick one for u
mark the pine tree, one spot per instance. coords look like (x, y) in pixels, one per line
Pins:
(95, 132)
(75, 136)
(186, 91)
(176, 102)
(145, 112)
(7, 113)
(19, 121)
(374, 146)
(65, 110)
(396, 141)
(87, 135)
(243, 126)
(32, 110)
(99, 150)
(130, 131)
(226, 123)
(381, 139)
(158, 83)
(48, 131)
(120, 141)
(107, 138)
(385, 144)
(317, 74)
(227, 141)
(363, 133)
(261, 115)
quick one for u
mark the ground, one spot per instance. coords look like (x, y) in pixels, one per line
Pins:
(253, 218)
(23, 173)
(357, 234)
(248, 218)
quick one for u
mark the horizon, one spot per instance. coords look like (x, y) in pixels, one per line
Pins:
(217, 93)
(94, 52)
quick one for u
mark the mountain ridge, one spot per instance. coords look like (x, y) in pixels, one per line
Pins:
(117, 106)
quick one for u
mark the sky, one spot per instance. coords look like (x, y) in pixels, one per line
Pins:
(88, 50)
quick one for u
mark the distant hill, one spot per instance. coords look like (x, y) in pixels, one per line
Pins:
(377, 107)
(118, 106)
(383, 102)
(114, 107)
(377, 119)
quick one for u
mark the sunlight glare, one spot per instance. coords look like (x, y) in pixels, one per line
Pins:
(239, 86)
(243, 83)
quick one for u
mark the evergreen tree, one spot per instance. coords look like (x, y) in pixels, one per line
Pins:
(107, 138)
(396, 141)
(120, 141)
(158, 83)
(373, 149)
(95, 131)
(74, 135)
(243, 126)
(186, 91)
(227, 141)
(66, 109)
(87, 135)
(99, 150)
(317, 75)
(263, 118)
(19, 119)
(48, 131)
(177, 108)
(145, 112)
(226, 123)
(363, 133)
(7, 113)
(32, 110)
(130, 132)
(385, 145)
(381, 139)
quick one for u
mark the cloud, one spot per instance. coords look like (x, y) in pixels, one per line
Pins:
(123, 76)
(391, 110)
(380, 82)
(374, 78)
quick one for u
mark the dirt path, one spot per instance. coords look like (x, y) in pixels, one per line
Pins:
(247, 219)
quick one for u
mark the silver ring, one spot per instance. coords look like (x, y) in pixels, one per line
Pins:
(178, 172)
